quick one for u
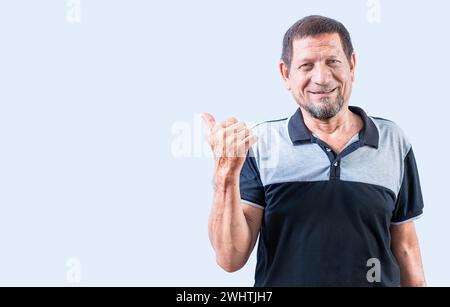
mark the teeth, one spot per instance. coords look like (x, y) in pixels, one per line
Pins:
(322, 92)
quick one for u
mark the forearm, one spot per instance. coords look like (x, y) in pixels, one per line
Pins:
(411, 269)
(229, 231)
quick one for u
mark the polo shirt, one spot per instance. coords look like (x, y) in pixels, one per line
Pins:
(326, 214)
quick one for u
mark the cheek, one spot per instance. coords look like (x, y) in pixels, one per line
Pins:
(299, 83)
(345, 79)
(347, 89)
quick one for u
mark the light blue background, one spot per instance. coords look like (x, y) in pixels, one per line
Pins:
(87, 112)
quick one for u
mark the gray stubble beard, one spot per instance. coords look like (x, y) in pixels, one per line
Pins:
(327, 108)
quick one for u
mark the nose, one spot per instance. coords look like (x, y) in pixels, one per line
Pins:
(321, 75)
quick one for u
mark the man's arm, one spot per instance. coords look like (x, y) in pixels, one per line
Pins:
(233, 227)
(405, 246)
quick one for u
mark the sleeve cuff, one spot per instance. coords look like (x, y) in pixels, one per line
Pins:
(252, 204)
(418, 216)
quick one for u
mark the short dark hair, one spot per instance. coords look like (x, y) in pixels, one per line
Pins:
(314, 25)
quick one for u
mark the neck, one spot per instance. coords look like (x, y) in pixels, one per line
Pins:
(342, 123)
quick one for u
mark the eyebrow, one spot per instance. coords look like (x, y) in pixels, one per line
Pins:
(331, 57)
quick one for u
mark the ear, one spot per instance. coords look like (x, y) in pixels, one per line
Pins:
(284, 70)
(352, 66)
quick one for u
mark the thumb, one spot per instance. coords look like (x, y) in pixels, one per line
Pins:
(209, 120)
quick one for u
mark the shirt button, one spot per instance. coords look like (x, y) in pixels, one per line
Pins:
(336, 163)
(328, 149)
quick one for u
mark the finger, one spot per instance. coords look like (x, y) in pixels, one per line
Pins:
(228, 122)
(242, 151)
(234, 143)
(209, 120)
(250, 140)
(235, 132)
(237, 127)
(245, 145)
(241, 135)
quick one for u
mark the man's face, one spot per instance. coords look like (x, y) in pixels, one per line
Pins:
(320, 77)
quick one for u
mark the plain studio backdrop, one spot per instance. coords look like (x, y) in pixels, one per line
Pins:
(104, 176)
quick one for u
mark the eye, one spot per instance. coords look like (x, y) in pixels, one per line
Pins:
(333, 62)
(306, 66)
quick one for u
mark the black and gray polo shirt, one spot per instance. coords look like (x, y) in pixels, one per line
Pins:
(326, 214)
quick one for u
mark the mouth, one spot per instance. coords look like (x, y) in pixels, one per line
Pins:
(323, 93)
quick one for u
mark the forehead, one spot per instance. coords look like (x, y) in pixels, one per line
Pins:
(328, 44)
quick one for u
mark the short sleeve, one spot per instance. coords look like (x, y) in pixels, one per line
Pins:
(250, 185)
(409, 203)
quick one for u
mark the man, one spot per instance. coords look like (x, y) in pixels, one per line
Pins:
(331, 192)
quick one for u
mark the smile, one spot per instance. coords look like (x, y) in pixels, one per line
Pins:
(323, 92)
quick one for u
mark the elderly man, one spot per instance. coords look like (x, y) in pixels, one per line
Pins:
(331, 192)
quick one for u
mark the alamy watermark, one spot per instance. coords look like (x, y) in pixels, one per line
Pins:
(374, 273)
(73, 273)
(190, 140)
(373, 11)
(73, 12)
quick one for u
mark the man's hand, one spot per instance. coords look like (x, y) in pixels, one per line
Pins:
(233, 227)
(230, 142)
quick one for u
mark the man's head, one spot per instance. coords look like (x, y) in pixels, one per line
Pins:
(318, 65)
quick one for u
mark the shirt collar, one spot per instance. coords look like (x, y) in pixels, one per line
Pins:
(299, 133)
